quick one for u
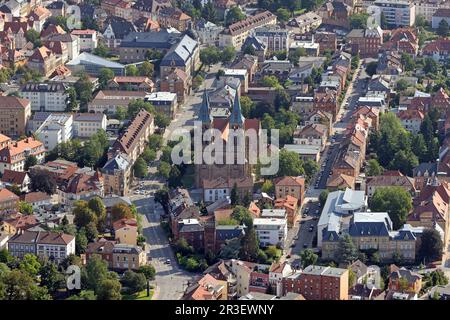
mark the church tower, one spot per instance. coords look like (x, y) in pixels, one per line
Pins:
(236, 118)
(205, 112)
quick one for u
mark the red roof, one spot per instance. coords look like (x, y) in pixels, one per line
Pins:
(13, 177)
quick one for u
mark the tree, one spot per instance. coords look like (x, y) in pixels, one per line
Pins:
(161, 120)
(105, 75)
(72, 104)
(374, 168)
(283, 14)
(404, 161)
(231, 249)
(430, 66)
(148, 271)
(228, 54)
(443, 28)
(97, 206)
(197, 81)
(131, 70)
(209, 13)
(146, 69)
(30, 161)
(323, 197)
(51, 278)
(164, 169)
(290, 164)
(268, 187)
(149, 155)
(358, 21)
(25, 208)
(19, 285)
(249, 246)
(162, 197)
(137, 105)
(109, 289)
(121, 211)
(210, 55)
(311, 167)
(270, 81)
(34, 37)
(308, 257)
(243, 216)
(234, 15)
(30, 264)
(346, 251)
(94, 273)
(396, 201)
(83, 215)
(84, 88)
(295, 55)
(408, 62)
(81, 242)
(134, 282)
(140, 168)
(431, 246)
(5, 256)
(174, 177)
(155, 141)
(234, 196)
(402, 85)
(42, 181)
(102, 50)
(84, 295)
(91, 232)
(351, 278)
(371, 68)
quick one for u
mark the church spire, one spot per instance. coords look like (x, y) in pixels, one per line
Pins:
(205, 114)
(236, 117)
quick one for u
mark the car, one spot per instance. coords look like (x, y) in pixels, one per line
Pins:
(293, 244)
(311, 229)
(167, 261)
(296, 238)
(317, 211)
(315, 218)
(306, 210)
(305, 245)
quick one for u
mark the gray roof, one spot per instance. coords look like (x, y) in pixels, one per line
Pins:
(226, 232)
(150, 40)
(180, 53)
(120, 27)
(87, 58)
(119, 162)
(113, 200)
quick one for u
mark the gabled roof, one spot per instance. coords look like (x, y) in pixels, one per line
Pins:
(119, 26)
(180, 53)
(13, 177)
(290, 181)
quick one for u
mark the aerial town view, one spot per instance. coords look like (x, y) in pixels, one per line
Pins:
(224, 150)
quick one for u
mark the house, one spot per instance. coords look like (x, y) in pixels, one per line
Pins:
(38, 17)
(335, 13)
(8, 199)
(439, 15)
(16, 30)
(403, 40)
(290, 205)
(51, 245)
(115, 30)
(86, 125)
(173, 17)
(15, 178)
(271, 231)
(107, 101)
(57, 8)
(304, 23)
(37, 199)
(319, 283)
(13, 157)
(398, 13)
(274, 37)
(184, 55)
(312, 134)
(236, 33)
(56, 129)
(88, 39)
(389, 62)
(320, 117)
(164, 102)
(388, 179)
(255, 46)
(51, 29)
(413, 280)
(327, 41)
(18, 223)
(208, 32)
(45, 96)
(82, 185)
(128, 257)
(131, 83)
(207, 288)
(248, 62)
(365, 42)
(43, 61)
(103, 248)
(149, 9)
(220, 188)
(117, 174)
(292, 186)
(303, 105)
(411, 119)
(126, 231)
(177, 82)
(438, 49)
(326, 101)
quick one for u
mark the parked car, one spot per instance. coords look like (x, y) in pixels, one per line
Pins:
(305, 245)
(167, 261)
(296, 238)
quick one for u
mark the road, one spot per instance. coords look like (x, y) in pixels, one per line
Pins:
(170, 281)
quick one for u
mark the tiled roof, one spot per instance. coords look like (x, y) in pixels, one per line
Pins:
(13, 102)
(125, 222)
(290, 181)
(32, 197)
(13, 177)
(250, 22)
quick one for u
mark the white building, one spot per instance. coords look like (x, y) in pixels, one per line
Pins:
(88, 39)
(399, 13)
(208, 32)
(72, 43)
(438, 16)
(271, 231)
(164, 102)
(57, 128)
(275, 38)
(86, 125)
(45, 96)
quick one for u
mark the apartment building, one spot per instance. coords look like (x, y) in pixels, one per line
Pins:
(88, 39)
(184, 55)
(52, 245)
(365, 42)
(117, 175)
(170, 17)
(319, 283)
(290, 186)
(164, 102)
(271, 231)
(274, 37)
(237, 33)
(398, 13)
(427, 8)
(305, 23)
(86, 125)
(14, 155)
(128, 257)
(8, 199)
(56, 129)
(43, 61)
(14, 115)
(45, 96)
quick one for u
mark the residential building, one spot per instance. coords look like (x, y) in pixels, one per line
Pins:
(18, 223)
(398, 13)
(83, 184)
(115, 30)
(43, 61)
(365, 42)
(290, 205)
(13, 157)
(304, 151)
(208, 32)
(14, 115)
(220, 188)
(411, 119)
(327, 101)
(290, 186)
(438, 49)
(164, 102)
(327, 41)
(439, 15)
(103, 248)
(51, 245)
(184, 55)
(390, 179)
(303, 105)
(8, 199)
(126, 231)
(273, 37)
(312, 134)
(128, 257)
(38, 17)
(403, 40)
(319, 283)
(427, 8)
(177, 82)
(236, 33)
(88, 39)
(336, 13)
(271, 231)
(86, 125)
(132, 142)
(37, 199)
(304, 23)
(15, 178)
(173, 17)
(107, 101)
(56, 129)
(46, 96)
(131, 83)
(117, 175)
(413, 280)
(207, 288)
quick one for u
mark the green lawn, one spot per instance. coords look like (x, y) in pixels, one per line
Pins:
(139, 296)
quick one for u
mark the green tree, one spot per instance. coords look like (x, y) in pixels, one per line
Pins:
(5, 256)
(102, 50)
(431, 246)
(131, 70)
(290, 164)
(295, 55)
(209, 13)
(121, 211)
(19, 285)
(84, 295)
(430, 66)
(443, 28)
(72, 104)
(30, 161)
(408, 62)
(51, 278)
(25, 208)
(228, 54)
(371, 68)
(155, 141)
(148, 271)
(270, 81)
(137, 105)
(323, 197)
(149, 155)
(396, 201)
(134, 282)
(234, 196)
(84, 88)
(346, 252)
(81, 242)
(283, 14)
(164, 169)
(404, 161)
(249, 246)
(268, 187)
(351, 278)
(30, 264)
(308, 257)
(42, 181)
(358, 21)
(94, 273)
(109, 289)
(97, 206)
(374, 168)
(83, 215)
(140, 168)
(311, 167)
(210, 55)
(161, 120)
(34, 37)
(146, 69)
(105, 75)
(402, 85)
(231, 249)
(234, 15)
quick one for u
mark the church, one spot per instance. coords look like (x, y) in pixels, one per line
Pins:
(217, 179)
